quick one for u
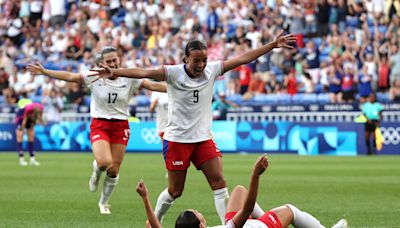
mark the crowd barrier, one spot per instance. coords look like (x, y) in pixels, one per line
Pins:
(277, 137)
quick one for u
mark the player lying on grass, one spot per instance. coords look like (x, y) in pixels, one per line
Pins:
(240, 207)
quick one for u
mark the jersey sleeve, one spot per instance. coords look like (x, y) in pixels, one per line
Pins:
(137, 83)
(86, 80)
(172, 73)
(216, 68)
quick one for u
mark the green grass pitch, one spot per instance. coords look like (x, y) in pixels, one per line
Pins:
(364, 190)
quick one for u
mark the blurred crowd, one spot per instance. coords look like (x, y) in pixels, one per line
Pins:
(346, 49)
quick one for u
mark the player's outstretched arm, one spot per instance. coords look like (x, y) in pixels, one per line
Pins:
(281, 41)
(155, 86)
(137, 72)
(37, 69)
(243, 214)
(141, 189)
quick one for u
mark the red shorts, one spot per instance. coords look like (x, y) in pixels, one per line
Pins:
(113, 131)
(269, 218)
(177, 156)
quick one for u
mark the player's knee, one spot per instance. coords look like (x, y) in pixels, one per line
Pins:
(175, 193)
(103, 164)
(291, 211)
(112, 172)
(239, 188)
(218, 183)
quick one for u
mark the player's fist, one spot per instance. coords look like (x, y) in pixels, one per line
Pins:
(141, 188)
(261, 165)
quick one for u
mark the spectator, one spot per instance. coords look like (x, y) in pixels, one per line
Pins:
(10, 96)
(323, 17)
(212, 21)
(53, 104)
(220, 107)
(244, 75)
(364, 84)
(394, 60)
(348, 85)
(256, 85)
(35, 29)
(57, 12)
(3, 80)
(335, 90)
(290, 83)
(75, 94)
(36, 11)
(394, 92)
(308, 83)
(272, 86)
(383, 73)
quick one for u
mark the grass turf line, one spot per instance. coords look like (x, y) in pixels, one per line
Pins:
(364, 190)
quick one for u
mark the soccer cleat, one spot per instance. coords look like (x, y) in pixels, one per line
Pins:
(342, 223)
(94, 179)
(104, 209)
(22, 162)
(34, 162)
(93, 182)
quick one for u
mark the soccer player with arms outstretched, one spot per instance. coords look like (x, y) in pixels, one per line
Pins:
(187, 137)
(109, 129)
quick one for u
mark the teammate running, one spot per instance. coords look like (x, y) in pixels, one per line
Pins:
(109, 129)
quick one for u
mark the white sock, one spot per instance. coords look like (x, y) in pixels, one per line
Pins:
(164, 202)
(257, 211)
(221, 197)
(303, 219)
(96, 169)
(108, 188)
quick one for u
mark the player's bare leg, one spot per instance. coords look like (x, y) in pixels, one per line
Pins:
(236, 201)
(102, 155)
(20, 136)
(102, 160)
(176, 184)
(212, 169)
(31, 139)
(112, 177)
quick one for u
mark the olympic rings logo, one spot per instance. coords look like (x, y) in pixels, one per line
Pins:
(391, 135)
(150, 136)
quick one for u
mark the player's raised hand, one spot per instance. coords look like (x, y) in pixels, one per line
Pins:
(103, 72)
(141, 188)
(283, 41)
(261, 165)
(35, 69)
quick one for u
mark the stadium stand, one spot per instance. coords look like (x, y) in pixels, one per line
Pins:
(151, 34)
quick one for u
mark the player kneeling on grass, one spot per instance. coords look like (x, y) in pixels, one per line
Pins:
(242, 204)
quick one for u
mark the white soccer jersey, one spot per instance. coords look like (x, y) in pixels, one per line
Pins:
(250, 223)
(110, 98)
(161, 109)
(189, 103)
